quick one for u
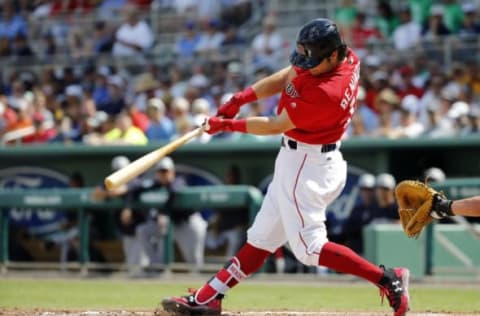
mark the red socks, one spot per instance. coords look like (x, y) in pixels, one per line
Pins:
(345, 260)
(248, 260)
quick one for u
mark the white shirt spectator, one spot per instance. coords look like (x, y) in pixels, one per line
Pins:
(268, 45)
(211, 39)
(139, 34)
(407, 35)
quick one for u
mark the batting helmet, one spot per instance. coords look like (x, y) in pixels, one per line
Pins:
(316, 40)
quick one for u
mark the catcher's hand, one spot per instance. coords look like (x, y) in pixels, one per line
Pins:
(415, 200)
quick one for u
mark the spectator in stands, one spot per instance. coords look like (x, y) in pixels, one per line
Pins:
(181, 116)
(97, 126)
(189, 227)
(22, 111)
(409, 33)
(386, 20)
(420, 10)
(470, 27)
(210, 39)
(178, 83)
(409, 126)
(406, 85)
(5, 48)
(267, 46)
(134, 37)
(67, 7)
(161, 127)
(344, 16)
(435, 27)
(387, 210)
(453, 15)
(115, 99)
(124, 133)
(42, 133)
(361, 214)
(474, 121)
(231, 37)
(234, 78)
(387, 104)
(11, 23)
(100, 91)
(458, 114)
(102, 38)
(20, 47)
(361, 34)
(128, 219)
(48, 46)
(79, 47)
(186, 45)
(146, 87)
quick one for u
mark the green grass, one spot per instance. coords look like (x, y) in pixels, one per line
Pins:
(145, 295)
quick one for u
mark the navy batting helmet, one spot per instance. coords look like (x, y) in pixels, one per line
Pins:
(316, 40)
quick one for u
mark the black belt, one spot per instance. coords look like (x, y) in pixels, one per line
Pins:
(292, 144)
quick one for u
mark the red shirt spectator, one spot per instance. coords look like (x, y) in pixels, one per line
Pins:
(408, 87)
(361, 33)
(142, 4)
(41, 134)
(139, 119)
(70, 6)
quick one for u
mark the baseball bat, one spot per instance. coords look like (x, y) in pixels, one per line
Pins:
(145, 162)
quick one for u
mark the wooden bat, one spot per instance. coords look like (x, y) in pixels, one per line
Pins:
(145, 162)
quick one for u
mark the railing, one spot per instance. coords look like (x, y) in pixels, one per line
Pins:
(80, 201)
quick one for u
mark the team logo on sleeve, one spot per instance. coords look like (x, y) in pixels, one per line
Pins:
(290, 90)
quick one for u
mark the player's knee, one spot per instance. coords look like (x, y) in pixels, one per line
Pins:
(308, 254)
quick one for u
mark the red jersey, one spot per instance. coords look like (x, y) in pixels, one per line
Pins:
(321, 106)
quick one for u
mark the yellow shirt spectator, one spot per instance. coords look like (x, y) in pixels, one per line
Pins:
(133, 135)
(125, 133)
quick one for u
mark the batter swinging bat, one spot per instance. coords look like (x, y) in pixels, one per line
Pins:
(143, 163)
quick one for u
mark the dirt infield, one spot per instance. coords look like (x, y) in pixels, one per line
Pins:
(37, 312)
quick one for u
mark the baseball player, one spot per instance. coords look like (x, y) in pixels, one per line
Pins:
(318, 98)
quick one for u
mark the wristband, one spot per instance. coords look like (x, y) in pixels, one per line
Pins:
(246, 96)
(237, 125)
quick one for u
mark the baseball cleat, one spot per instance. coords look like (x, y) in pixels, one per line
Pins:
(186, 305)
(394, 285)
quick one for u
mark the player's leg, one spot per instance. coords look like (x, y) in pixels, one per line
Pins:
(265, 235)
(316, 183)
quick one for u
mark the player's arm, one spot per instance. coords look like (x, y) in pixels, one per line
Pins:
(263, 88)
(272, 84)
(257, 125)
(443, 207)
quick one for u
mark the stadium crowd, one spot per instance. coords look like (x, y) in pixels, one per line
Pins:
(407, 88)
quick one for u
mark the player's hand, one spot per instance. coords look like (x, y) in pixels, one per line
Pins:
(213, 125)
(230, 108)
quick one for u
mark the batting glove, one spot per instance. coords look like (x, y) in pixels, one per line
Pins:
(230, 108)
(216, 124)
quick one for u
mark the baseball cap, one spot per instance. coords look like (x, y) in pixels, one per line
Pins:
(366, 181)
(165, 164)
(156, 103)
(385, 180)
(410, 103)
(119, 162)
(434, 174)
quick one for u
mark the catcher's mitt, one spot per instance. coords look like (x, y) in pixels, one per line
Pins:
(415, 200)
